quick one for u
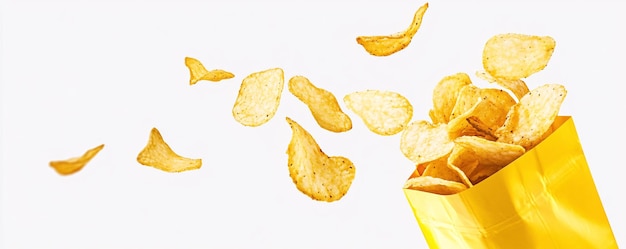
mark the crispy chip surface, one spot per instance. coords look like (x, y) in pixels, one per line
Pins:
(322, 104)
(440, 169)
(259, 96)
(517, 87)
(445, 96)
(516, 56)
(491, 155)
(383, 112)
(434, 185)
(532, 116)
(198, 72)
(315, 174)
(390, 44)
(423, 142)
(159, 155)
(73, 165)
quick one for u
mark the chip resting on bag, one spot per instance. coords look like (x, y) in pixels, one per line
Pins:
(434, 185)
(321, 177)
(322, 104)
(384, 45)
(73, 165)
(516, 56)
(383, 112)
(259, 96)
(159, 155)
(198, 72)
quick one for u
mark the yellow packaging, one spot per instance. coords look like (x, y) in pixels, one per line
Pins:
(544, 199)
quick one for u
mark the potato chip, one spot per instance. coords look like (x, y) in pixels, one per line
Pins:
(259, 96)
(481, 128)
(516, 56)
(440, 169)
(159, 155)
(73, 165)
(532, 116)
(517, 87)
(322, 104)
(198, 72)
(389, 44)
(383, 112)
(445, 96)
(464, 159)
(434, 185)
(315, 174)
(500, 103)
(492, 156)
(423, 142)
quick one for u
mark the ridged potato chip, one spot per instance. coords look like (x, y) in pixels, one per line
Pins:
(159, 155)
(315, 174)
(259, 96)
(73, 165)
(445, 96)
(383, 112)
(434, 185)
(423, 142)
(390, 44)
(516, 56)
(532, 116)
(322, 104)
(198, 72)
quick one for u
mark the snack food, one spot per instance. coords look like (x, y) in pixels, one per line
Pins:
(159, 155)
(383, 112)
(73, 165)
(259, 96)
(198, 72)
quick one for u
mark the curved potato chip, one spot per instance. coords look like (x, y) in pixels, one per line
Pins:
(198, 72)
(517, 87)
(464, 159)
(389, 44)
(492, 156)
(445, 96)
(383, 112)
(423, 142)
(434, 185)
(73, 165)
(259, 96)
(516, 56)
(159, 155)
(315, 174)
(495, 114)
(532, 116)
(322, 104)
(440, 169)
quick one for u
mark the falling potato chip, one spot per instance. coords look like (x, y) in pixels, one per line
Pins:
(423, 142)
(73, 165)
(383, 112)
(259, 96)
(517, 87)
(445, 96)
(159, 155)
(532, 116)
(315, 174)
(516, 56)
(492, 156)
(322, 104)
(440, 169)
(434, 185)
(197, 72)
(389, 44)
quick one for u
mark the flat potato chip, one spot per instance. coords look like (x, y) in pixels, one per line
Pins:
(322, 104)
(159, 155)
(315, 174)
(517, 87)
(198, 72)
(259, 96)
(423, 142)
(434, 185)
(532, 116)
(516, 56)
(445, 96)
(387, 45)
(383, 112)
(492, 156)
(73, 165)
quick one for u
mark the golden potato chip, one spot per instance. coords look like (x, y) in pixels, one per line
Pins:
(259, 96)
(159, 155)
(482, 130)
(383, 112)
(198, 72)
(440, 169)
(315, 174)
(500, 103)
(532, 116)
(389, 44)
(73, 165)
(423, 142)
(459, 125)
(322, 104)
(516, 56)
(464, 159)
(517, 87)
(492, 156)
(445, 96)
(434, 185)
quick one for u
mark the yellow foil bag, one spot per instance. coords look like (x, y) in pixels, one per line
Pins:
(544, 199)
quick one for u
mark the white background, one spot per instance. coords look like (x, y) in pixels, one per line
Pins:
(76, 74)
